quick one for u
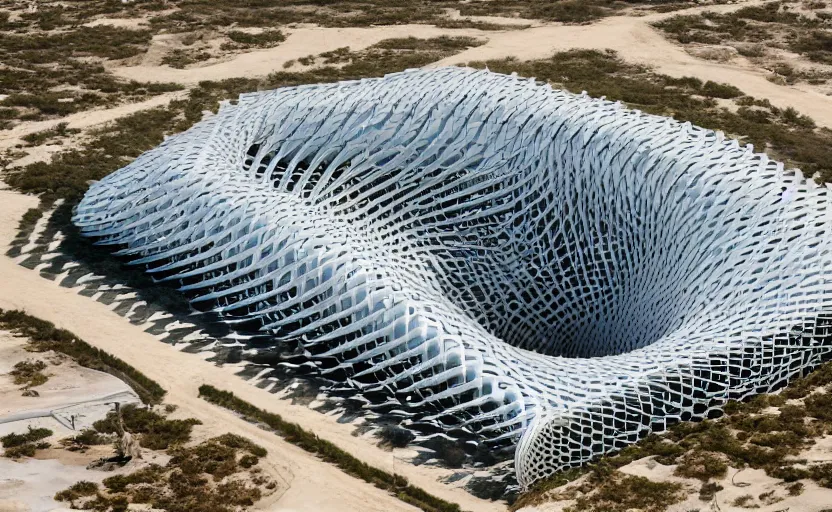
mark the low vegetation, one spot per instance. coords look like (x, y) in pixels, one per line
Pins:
(53, 74)
(77, 490)
(756, 31)
(750, 435)
(397, 485)
(155, 431)
(783, 133)
(217, 475)
(181, 58)
(29, 373)
(44, 336)
(613, 491)
(50, 136)
(88, 437)
(264, 39)
(26, 444)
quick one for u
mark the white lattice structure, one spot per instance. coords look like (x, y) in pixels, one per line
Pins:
(537, 267)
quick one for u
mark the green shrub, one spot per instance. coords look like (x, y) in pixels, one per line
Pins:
(745, 501)
(795, 489)
(24, 450)
(179, 58)
(295, 434)
(265, 39)
(38, 138)
(708, 490)
(248, 461)
(87, 437)
(156, 432)
(45, 336)
(620, 493)
(31, 436)
(716, 90)
(241, 443)
(148, 475)
(29, 373)
(77, 490)
(701, 465)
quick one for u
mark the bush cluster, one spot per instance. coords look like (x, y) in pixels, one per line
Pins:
(783, 133)
(329, 452)
(25, 445)
(155, 431)
(180, 485)
(45, 336)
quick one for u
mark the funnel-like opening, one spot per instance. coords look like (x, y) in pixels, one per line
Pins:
(496, 255)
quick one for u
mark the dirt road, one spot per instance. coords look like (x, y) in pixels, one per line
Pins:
(632, 37)
(312, 484)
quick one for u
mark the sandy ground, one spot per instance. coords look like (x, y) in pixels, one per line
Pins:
(300, 42)
(632, 37)
(182, 374)
(86, 119)
(30, 485)
(72, 393)
(735, 484)
(307, 483)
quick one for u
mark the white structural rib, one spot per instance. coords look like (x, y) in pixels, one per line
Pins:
(540, 268)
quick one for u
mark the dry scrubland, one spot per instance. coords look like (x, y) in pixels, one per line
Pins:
(85, 86)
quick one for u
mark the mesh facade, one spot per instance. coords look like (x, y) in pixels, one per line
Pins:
(540, 268)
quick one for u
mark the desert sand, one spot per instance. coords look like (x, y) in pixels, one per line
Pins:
(182, 374)
(631, 36)
(302, 477)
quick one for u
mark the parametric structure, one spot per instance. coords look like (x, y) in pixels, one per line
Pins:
(539, 268)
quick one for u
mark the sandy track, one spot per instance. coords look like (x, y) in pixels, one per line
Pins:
(636, 41)
(632, 37)
(86, 119)
(300, 42)
(315, 486)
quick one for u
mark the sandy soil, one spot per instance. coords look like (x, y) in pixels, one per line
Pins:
(72, 393)
(31, 484)
(129, 23)
(300, 42)
(183, 373)
(636, 41)
(632, 37)
(736, 483)
(86, 119)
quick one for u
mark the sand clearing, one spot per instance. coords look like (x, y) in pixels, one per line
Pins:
(72, 393)
(86, 119)
(183, 373)
(632, 37)
(307, 483)
(300, 42)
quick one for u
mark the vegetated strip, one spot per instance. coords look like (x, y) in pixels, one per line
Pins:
(45, 336)
(397, 485)
(749, 435)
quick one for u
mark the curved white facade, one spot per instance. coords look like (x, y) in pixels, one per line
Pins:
(540, 268)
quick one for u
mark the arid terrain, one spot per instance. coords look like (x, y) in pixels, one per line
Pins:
(86, 86)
